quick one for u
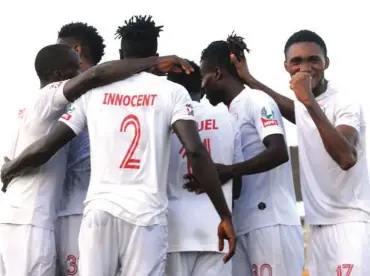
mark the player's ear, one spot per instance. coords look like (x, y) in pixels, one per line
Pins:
(58, 75)
(218, 74)
(77, 48)
(327, 63)
(286, 66)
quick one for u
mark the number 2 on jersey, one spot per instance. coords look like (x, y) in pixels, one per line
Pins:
(129, 162)
(206, 143)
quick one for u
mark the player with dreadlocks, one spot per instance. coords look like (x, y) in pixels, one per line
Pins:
(129, 122)
(192, 245)
(139, 37)
(86, 40)
(270, 238)
(331, 129)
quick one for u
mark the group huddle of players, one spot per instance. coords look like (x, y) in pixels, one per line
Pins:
(167, 164)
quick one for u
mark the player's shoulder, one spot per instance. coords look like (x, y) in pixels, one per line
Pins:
(341, 96)
(53, 86)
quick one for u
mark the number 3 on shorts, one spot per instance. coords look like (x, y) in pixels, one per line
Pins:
(129, 162)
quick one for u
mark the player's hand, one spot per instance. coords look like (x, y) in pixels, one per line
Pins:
(5, 178)
(172, 64)
(226, 232)
(192, 185)
(301, 84)
(243, 70)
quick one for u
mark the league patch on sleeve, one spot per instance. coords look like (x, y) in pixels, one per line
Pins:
(190, 109)
(68, 115)
(268, 118)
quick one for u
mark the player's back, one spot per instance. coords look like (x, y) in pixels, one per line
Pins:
(192, 218)
(129, 126)
(30, 199)
(266, 198)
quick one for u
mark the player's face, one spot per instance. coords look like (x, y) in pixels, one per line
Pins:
(210, 84)
(307, 57)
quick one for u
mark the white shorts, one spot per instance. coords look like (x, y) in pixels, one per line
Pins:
(111, 246)
(26, 250)
(197, 264)
(275, 250)
(68, 229)
(340, 249)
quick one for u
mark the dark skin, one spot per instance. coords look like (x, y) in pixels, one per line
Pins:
(236, 181)
(220, 86)
(306, 64)
(76, 45)
(201, 163)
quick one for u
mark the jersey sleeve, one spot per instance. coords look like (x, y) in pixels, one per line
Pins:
(266, 116)
(182, 106)
(348, 112)
(75, 117)
(238, 154)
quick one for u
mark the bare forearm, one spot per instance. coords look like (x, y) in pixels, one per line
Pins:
(205, 172)
(336, 145)
(285, 104)
(263, 162)
(106, 73)
(32, 157)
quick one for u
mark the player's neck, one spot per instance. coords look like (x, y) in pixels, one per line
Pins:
(44, 83)
(233, 90)
(195, 97)
(320, 88)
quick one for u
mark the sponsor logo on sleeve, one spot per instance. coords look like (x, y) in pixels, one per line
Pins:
(68, 115)
(268, 118)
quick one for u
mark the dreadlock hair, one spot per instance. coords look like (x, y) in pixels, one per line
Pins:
(305, 36)
(55, 57)
(217, 54)
(139, 37)
(91, 41)
(192, 82)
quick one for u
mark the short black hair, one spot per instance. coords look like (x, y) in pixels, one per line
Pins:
(218, 53)
(55, 57)
(89, 38)
(139, 37)
(192, 82)
(305, 36)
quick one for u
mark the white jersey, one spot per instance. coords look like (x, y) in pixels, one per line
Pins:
(77, 176)
(192, 219)
(332, 195)
(30, 199)
(129, 125)
(267, 198)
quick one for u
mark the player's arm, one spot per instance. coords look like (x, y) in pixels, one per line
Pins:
(285, 104)
(112, 71)
(38, 153)
(271, 134)
(184, 125)
(201, 163)
(340, 140)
